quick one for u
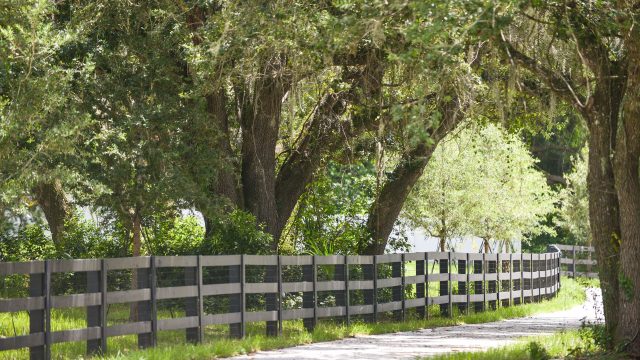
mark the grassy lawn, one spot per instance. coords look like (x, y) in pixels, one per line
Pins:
(574, 344)
(171, 344)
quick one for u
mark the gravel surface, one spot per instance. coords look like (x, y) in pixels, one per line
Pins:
(409, 345)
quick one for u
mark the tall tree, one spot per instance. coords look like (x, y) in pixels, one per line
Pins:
(40, 118)
(259, 81)
(599, 40)
(481, 181)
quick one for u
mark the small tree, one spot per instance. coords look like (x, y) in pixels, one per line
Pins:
(482, 181)
(574, 201)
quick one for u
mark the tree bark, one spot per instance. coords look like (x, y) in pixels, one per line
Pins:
(136, 232)
(260, 121)
(604, 213)
(485, 244)
(227, 184)
(627, 182)
(327, 131)
(600, 111)
(386, 208)
(51, 199)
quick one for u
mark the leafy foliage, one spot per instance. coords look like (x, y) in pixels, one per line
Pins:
(331, 216)
(483, 182)
(574, 201)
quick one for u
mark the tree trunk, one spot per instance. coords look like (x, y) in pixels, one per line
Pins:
(260, 121)
(136, 232)
(443, 243)
(627, 182)
(136, 247)
(603, 215)
(322, 133)
(51, 199)
(227, 185)
(327, 131)
(386, 208)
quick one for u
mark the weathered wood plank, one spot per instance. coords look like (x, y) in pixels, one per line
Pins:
(220, 260)
(360, 284)
(178, 323)
(360, 309)
(438, 277)
(390, 282)
(141, 262)
(331, 285)
(299, 260)
(176, 292)
(75, 265)
(21, 268)
(22, 304)
(416, 279)
(294, 314)
(125, 296)
(261, 260)
(260, 288)
(219, 319)
(360, 259)
(176, 261)
(91, 333)
(221, 289)
(390, 306)
(76, 300)
(330, 260)
(254, 316)
(140, 327)
(411, 303)
(437, 300)
(417, 256)
(22, 341)
(388, 258)
(301, 286)
(331, 311)
(437, 255)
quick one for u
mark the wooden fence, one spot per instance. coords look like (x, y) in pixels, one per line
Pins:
(461, 281)
(576, 258)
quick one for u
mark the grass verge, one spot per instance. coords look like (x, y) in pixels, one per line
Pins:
(571, 295)
(172, 344)
(583, 343)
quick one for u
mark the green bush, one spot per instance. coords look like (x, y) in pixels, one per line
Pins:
(29, 243)
(237, 233)
(174, 236)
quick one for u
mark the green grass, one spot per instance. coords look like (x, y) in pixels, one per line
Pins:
(572, 344)
(172, 344)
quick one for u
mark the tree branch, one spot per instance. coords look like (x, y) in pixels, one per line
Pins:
(559, 84)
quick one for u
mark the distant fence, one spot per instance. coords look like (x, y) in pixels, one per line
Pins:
(339, 287)
(578, 261)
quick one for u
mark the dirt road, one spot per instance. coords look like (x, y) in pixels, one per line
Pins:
(409, 345)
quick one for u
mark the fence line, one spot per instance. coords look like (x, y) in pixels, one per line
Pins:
(463, 280)
(574, 257)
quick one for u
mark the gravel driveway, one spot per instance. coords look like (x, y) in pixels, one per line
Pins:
(409, 345)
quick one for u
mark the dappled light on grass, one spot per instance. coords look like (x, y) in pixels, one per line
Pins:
(294, 334)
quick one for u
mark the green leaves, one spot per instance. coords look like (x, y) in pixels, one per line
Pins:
(482, 182)
(574, 201)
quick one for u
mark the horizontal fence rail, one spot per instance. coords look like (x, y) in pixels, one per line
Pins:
(337, 286)
(577, 261)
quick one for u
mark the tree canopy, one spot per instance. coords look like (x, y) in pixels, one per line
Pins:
(305, 126)
(481, 181)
